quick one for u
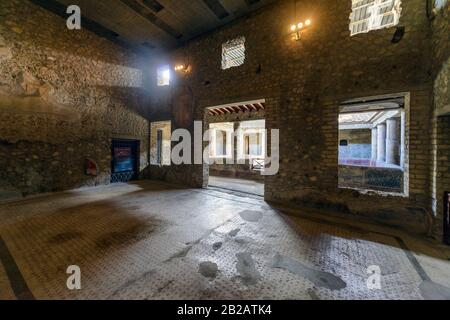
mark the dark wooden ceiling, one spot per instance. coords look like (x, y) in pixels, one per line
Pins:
(154, 26)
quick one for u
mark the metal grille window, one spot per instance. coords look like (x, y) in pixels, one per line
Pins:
(370, 15)
(233, 53)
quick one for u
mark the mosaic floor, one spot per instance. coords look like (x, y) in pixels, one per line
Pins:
(149, 240)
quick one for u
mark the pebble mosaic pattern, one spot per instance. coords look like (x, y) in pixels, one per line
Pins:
(152, 241)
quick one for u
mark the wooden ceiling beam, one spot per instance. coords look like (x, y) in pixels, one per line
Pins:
(147, 14)
(153, 4)
(217, 8)
(251, 2)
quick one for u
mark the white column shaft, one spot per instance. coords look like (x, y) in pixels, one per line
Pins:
(381, 142)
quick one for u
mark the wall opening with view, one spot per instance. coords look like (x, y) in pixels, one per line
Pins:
(163, 76)
(372, 145)
(160, 143)
(221, 141)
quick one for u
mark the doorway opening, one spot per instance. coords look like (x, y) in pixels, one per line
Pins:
(447, 218)
(237, 147)
(125, 160)
(160, 143)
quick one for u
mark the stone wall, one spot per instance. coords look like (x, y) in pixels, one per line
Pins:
(356, 136)
(359, 144)
(441, 60)
(440, 170)
(370, 178)
(440, 121)
(304, 82)
(63, 96)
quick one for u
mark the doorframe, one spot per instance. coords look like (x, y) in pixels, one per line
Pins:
(206, 126)
(136, 145)
(446, 218)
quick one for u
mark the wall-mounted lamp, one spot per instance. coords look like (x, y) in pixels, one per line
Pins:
(296, 29)
(182, 68)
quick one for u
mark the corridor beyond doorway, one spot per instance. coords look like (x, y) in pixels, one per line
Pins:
(238, 146)
(240, 185)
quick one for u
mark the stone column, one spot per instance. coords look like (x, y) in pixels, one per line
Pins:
(237, 142)
(381, 143)
(392, 142)
(374, 143)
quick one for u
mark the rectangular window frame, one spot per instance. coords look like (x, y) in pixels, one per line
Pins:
(406, 166)
(160, 155)
(261, 134)
(214, 127)
(163, 76)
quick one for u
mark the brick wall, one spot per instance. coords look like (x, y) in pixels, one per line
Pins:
(304, 83)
